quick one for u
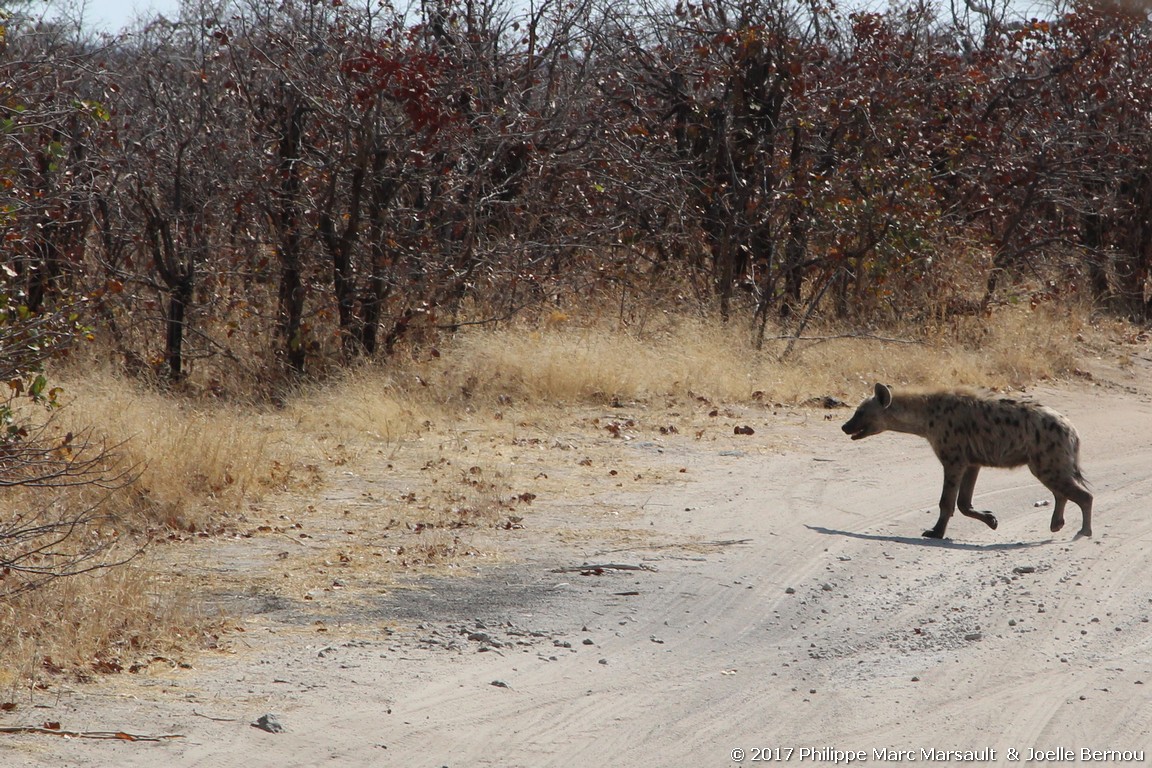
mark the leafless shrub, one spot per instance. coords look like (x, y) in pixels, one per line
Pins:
(56, 525)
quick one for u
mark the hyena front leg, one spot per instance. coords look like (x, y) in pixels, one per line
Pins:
(967, 485)
(1058, 514)
(953, 474)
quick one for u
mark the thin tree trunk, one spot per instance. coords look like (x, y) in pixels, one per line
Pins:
(291, 299)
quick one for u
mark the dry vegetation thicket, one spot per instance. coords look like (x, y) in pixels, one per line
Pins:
(264, 191)
(292, 236)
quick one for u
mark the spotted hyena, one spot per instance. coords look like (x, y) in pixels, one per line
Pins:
(969, 431)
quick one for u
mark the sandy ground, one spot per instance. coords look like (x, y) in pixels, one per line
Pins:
(785, 606)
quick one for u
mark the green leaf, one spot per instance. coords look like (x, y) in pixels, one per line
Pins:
(36, 391)
(94, 108)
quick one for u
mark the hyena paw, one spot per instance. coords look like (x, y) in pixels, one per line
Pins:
(990, 520)
(1058, 524)
(1084, 533)
(931, 534)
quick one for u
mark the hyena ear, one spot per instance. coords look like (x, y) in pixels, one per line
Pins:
(883, 395)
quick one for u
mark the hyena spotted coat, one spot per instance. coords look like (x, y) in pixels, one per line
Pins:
(969, 431)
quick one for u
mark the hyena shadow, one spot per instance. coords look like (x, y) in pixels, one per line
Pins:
(920, 541)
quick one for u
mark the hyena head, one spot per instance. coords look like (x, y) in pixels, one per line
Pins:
(869, 417)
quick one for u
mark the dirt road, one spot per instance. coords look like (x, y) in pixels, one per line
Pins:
(784, 601)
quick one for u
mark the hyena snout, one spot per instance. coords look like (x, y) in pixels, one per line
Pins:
(860, 426)
(868, 419)
(853, 427)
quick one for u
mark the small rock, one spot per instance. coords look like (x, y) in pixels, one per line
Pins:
(974, 636)
(790, 591)
(270, 723)
(1024, 569)
(499, 684)
(588, 641)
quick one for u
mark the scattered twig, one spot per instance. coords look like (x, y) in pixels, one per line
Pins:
(603, 567)
(215, 719)
(837, 336)
(116, 735)
(488, 320)
(723, 542)
(683, 545)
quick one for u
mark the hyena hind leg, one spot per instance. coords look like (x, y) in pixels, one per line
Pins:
(1083, 499)
(964, 502)
(1080, 496)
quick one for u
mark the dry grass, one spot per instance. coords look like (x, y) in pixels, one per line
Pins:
(361, 405)
(450, 440)
(194, 467)
(565, 363)
(196, 461)
(119, 619)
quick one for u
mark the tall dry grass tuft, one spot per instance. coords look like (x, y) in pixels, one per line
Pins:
(118, 619)
(1027, 345)
(362, 404)
(1013, 347)
(192, 466)
(194, 460)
